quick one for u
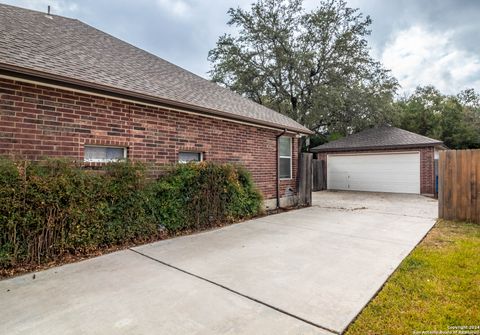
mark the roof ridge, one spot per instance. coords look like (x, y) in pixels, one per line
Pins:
(38, 12)
(207, 81)
(139, 49)
(378, 137)
(70, 48)
(411, 132)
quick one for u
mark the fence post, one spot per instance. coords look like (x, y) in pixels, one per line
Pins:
(305, 179)
(440, 181)
(459, 185)
(318, 175)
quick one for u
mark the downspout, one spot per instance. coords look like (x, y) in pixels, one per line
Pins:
(278, 165)
(299, 157)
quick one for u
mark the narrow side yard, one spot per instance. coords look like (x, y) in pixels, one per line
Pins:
(55, 211)
(436, 288)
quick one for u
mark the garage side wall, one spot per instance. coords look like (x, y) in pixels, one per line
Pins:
(38, 121)
(427, 172)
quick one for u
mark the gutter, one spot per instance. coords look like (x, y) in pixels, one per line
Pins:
(364, 148)
(72, 83)
(277, 140)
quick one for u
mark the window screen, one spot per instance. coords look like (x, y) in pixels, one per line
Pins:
(104, 154)
(185, 157)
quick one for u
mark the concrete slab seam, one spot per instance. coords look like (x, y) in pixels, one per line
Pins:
(367, 210)
(237, 293)
(347, 235)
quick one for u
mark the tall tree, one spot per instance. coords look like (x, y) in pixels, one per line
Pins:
(313, 66)
(454, 119)
(420, 112)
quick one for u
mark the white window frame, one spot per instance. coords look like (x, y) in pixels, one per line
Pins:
(289, 157)
(101, 160)
(190, 152)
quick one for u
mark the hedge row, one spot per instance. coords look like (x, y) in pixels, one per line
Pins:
(51, 208)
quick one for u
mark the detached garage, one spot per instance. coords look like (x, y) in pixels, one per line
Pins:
(383, 159)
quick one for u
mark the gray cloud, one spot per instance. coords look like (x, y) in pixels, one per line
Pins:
(458, 16)
(423, 42)
(452, 63)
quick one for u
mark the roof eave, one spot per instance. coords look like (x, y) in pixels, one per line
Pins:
(364, 148)
(41, 75)
(441, 146)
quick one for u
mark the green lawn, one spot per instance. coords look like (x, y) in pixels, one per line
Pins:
(435, 288)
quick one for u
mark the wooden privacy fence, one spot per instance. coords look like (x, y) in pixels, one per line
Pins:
(305, 179)
(319, 181)
(459, 185)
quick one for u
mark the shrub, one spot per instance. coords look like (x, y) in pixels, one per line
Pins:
(54, 207)
(204, 194)
(127, 216)
(10, 206)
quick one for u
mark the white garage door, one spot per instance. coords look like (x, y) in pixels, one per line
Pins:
(386, 172)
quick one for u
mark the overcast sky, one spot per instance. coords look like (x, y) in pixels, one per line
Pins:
(434, 42)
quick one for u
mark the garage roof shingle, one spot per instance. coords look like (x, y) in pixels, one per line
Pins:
(68, 48)
(380, 137)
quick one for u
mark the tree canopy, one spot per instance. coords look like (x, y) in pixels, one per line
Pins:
(454, 119)
(313, 66)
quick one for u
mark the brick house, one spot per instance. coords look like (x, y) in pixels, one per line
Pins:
(382, 159)
(69, 90)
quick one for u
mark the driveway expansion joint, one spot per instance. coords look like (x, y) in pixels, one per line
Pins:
(369, 210)
(346, 235)
(237, 293)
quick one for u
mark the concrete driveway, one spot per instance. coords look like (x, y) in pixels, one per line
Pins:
(308, 271)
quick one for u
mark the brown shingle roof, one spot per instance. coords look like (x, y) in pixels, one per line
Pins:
(381, 137)
(67, 48)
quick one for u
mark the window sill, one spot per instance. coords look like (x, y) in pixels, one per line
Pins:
(104, 161)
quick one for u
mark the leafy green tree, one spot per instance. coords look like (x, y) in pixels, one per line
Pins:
(453, 119)
(313, 66)
(420, 112)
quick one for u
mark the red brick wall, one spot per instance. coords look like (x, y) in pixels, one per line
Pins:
(39, 121)
(427, 172)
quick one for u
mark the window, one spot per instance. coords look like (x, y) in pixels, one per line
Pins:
(104, 154)
(186, 157)
(285, 157)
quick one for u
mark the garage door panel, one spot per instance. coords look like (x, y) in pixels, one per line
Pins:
(396, 172)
